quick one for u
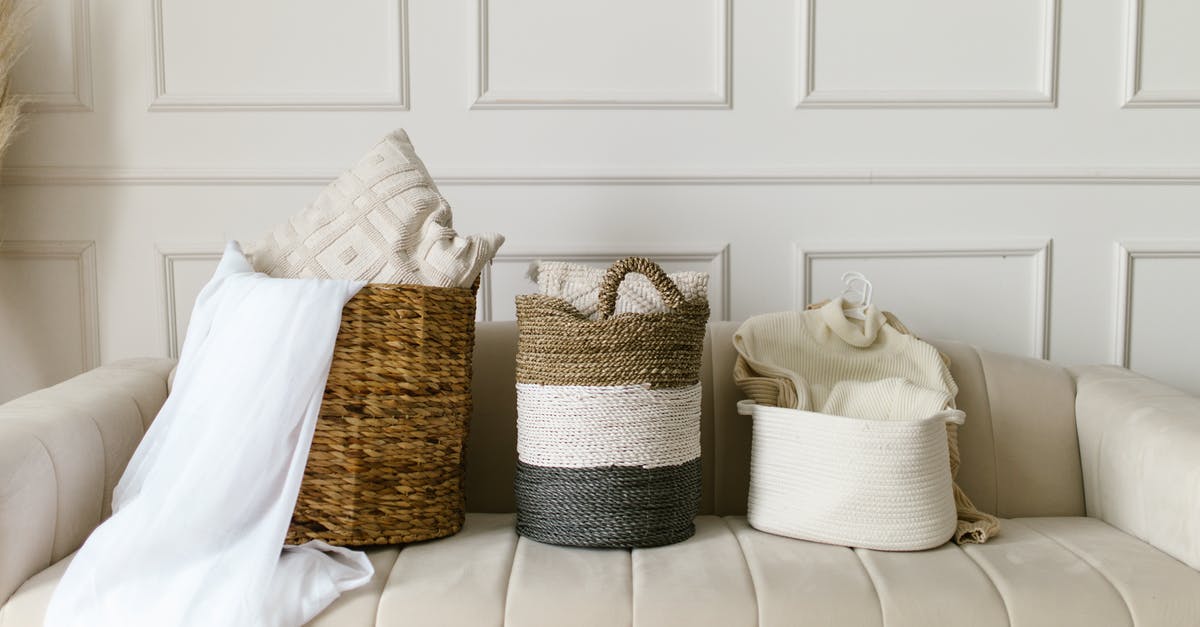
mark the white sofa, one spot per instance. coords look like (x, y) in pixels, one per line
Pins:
(1095, 471)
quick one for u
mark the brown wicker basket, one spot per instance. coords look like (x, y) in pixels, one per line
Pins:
(388, 457)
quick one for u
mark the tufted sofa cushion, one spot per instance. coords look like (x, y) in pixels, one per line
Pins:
(62, 450)
(1040, 571)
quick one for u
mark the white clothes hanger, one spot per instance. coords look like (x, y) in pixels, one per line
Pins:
(857, 294)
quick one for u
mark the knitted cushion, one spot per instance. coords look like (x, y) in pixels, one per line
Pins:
(382, 221)
(579, 285)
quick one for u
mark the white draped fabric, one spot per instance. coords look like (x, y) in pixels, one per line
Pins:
(200, 515)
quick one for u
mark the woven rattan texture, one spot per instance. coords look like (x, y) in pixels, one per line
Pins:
(617, 506)
(559, 346)
(387, 459)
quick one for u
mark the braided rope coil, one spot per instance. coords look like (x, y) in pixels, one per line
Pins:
(573, 426)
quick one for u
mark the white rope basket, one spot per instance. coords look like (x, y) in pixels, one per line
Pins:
(875, 484)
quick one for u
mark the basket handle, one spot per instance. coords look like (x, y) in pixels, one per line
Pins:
(952, 416)
(640, 265)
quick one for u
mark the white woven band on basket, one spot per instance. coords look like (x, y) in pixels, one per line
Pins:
(576, 426)
(876, 484)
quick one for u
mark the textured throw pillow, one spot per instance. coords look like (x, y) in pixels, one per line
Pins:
(580, 285)
(382, 221)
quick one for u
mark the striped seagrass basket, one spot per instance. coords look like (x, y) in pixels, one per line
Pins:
(608, 417)
(388, 456)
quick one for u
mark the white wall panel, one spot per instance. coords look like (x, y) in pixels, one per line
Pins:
(619, 53)
(1155, 295)
(56, 70)
(48, 324)
(993, 295)
(589, 131)
(928, 53)
(279, 54)
(1163, 51)
(185, 269)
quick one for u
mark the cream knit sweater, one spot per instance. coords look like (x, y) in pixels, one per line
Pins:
(820, 360)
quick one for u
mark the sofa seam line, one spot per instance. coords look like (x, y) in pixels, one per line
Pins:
(871, 579)
(746, 566)
(1085, 560)
(103, 457)
(54, 533)
(1099, 477)
(57, 495)
(991, 582)
(992, 427)
(632, 592)
(104, 464)
(512, 568)
(391, 570)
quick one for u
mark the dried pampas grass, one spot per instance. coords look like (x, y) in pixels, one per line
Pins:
(14, 25)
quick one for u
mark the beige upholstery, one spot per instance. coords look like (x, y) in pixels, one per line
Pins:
(1140, 443)
(1040, 571)
(62, 449)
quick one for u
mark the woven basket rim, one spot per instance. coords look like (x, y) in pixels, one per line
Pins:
(418, 287)
(849, 421)
(561, 305)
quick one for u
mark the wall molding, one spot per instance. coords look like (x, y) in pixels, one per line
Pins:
(483, 96)
(167, 256)
(80, 99)
(1038, 250)
(395, 99)
(716, 255)
(809, 96)
(795, 175)
(83, 253)
(1127, 252)
(1134, 97)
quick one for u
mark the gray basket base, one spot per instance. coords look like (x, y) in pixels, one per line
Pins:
(612, 507)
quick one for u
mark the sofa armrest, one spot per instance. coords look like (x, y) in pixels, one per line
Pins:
(1139, 443)
(62, 450)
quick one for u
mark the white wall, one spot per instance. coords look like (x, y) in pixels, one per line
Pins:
(1020, 174)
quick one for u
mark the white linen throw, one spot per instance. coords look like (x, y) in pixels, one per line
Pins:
(200, 515)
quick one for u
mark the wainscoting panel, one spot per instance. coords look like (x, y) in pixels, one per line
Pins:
(1162, 70)
(619, 53)
(184, 270)
(939, 147)
(350, 58)
(928, 53)
(57, 73)
(1155, 292)
(993, 295)
(49, 329)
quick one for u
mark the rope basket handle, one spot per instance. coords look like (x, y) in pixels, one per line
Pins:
(639, 265)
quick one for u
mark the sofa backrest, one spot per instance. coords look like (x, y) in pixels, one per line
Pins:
(1019, 447)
